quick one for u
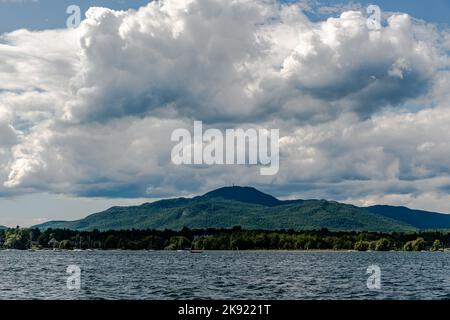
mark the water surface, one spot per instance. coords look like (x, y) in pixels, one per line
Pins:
(223, 275)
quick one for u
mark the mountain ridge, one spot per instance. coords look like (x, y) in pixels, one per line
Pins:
(252, 209)
(420, 219)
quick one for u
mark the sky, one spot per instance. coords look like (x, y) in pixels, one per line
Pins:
(86, 113)
(51, 14)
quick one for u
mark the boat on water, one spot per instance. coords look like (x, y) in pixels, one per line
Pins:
(196, 251)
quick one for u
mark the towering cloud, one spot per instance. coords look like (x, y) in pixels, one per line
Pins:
(90, 111)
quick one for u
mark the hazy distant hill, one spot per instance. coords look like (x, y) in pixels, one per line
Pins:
(418, 218)
(253, 209)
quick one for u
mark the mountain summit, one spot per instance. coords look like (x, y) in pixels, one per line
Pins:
(244, 194)
(252, 209)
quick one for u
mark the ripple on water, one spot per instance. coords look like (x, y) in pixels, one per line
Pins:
(222, 275)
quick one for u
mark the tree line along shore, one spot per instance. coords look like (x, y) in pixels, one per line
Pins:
(221, 239)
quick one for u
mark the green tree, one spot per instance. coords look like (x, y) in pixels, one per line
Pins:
(178, 242)
(65, 244)
(408, 246)
(362, 245)
(111, 242)
(17, 239)
(437, 245)
(383, 245)
(419, 244)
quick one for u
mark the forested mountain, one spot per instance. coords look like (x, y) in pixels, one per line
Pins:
(252, 209)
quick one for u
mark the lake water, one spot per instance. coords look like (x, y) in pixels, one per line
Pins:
(223, 275)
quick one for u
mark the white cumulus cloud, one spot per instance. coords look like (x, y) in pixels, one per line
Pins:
(362, 113)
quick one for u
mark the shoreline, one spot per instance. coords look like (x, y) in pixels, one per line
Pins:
(206, 251)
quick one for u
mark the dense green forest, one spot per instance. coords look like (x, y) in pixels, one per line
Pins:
(254, 210)
(220, 239)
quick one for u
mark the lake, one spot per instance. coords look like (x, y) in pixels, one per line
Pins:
(223, 275)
